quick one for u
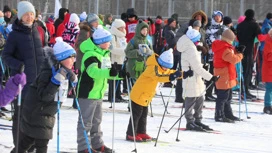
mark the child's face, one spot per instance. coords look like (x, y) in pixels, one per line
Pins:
(95, 24)
(69, 62)
(131, 19)
(218, 18)
(144, 31)
(105, 45)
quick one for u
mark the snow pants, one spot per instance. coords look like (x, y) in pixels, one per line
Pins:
(268, 94)
(91, 111)
(223, 103)
(196, 104)
(27, 142)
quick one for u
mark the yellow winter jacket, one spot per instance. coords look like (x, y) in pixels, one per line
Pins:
(145, 87)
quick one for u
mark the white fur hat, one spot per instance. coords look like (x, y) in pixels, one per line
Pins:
(74, 18)
(117, 23)
(193, 34)
(24, 7)
(62, 50)
(166, 59)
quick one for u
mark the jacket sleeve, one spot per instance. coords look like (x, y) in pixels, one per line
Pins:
(170, 38)
(162, 77)
(196, 64)
(93, 70)
(8, 94)
(232, 58)
(9, 52)
(209, 37)
(131, 52)
(115, 50)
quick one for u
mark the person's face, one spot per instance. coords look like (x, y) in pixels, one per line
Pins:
(69, 62)
(65, 13)
(28, 18)
(105, 45)
(8, 14)
(131, 18)
(144, 31)
(198, 17)
(110, 18)
(122, 29)
(173, 24)
(94, 24)
(218, 18)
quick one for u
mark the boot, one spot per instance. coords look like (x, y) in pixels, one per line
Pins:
(234, 118)
(144, 136)
(103, 149)
(205, 127)
(223, 119)
(267, 110)
(194, 127)
(131, 138)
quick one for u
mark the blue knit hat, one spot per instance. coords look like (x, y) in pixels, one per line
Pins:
(101, 36)
(63, 50)
(166, 59)
(193, 34)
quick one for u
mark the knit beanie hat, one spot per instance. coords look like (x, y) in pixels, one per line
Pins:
(218, 13)
(101, 36)
(82, 16)
(117, 23)
(6, 9)
(74, 18)
(193, 34)
(249, 14)
(51, 19)
(170, 20)
(166, 59)
(241, 19)
(24, 7)
(269, 15)
(92, 18)
(228, 36)
(62, 50)
(227, 20)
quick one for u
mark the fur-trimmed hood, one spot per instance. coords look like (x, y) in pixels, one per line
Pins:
(49, 59)
(204, 17)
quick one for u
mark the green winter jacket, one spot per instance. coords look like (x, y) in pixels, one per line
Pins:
(132, 48)
(95, 70)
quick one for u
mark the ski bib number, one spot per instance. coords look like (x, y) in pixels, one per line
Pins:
(123, 43)
(106, 63)
(131, 28)
(61, 95)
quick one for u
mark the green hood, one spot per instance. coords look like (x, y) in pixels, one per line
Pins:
(139, 27)
(87, 45)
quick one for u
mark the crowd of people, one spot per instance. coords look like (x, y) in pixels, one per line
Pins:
(200, 58)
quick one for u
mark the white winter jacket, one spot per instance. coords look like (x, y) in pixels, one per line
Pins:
(118, 45)
(190, 57)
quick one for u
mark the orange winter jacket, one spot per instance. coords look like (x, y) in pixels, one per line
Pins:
(145, 87)
(267, 60)
(224, 64)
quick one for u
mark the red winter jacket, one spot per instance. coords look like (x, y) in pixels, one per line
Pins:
(224, 64)
(267, 60)
(51, 29)
(131, 29)
(61, 27)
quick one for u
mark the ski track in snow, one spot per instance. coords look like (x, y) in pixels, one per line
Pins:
(249, 136)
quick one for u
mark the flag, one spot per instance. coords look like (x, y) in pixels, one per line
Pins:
(57, 7)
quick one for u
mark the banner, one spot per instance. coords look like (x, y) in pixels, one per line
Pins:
(57, 7)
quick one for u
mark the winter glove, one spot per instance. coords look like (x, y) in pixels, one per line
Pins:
(240, 48)
(175, 75)
(206, 66)
(19, 79)
(113, 71)
(72, 77)
(215, 78)
(202, 49)
(58, 76)
(188, 73)
(122, 74)
(150, 20)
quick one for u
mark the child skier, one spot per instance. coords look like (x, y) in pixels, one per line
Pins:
(40, 104)
(225, 58)
(157, 70)
(11, 89)
(193, 87)
(267, 73)
(95, 72)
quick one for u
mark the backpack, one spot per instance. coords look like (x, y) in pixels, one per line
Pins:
(159, 42)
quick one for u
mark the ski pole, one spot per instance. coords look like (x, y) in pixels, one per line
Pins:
(58, 129)
(151, 110)
(189, 108)
(240, 89)
(164, 103)
(165, 109)
(19, 112)
(131, 115)
(245, 100)
(81, 120)
(113, 116)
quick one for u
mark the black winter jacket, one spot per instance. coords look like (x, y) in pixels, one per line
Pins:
(24, 47)
(39, 109)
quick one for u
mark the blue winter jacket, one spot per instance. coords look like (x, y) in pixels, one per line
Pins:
(24, 47)
(267, 24)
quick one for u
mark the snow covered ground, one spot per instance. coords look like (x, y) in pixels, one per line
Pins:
(250, 136)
